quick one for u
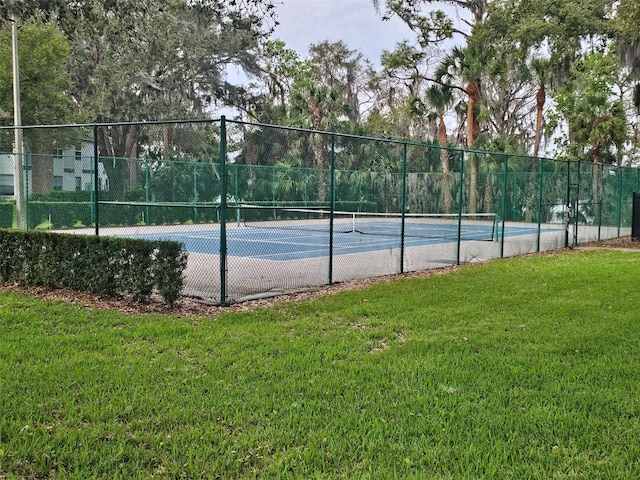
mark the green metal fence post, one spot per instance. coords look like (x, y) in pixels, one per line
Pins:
(619, 209)
(600, 206)
(147, 196)
(460, 202)
(332, 204)
(567, 221)
(404, 205)
(195, 193)
(96, 181)
(504, 202)
(540, 187)
(576, 211)
(223, 210)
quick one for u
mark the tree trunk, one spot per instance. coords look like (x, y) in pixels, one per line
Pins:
(541, 98)
(42, 171)
(596, 181)
(473, 129)
(120, 144)
(447, 198)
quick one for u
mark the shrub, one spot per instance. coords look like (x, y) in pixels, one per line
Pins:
(102, 265)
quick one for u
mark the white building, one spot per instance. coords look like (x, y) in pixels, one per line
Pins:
(72, 170)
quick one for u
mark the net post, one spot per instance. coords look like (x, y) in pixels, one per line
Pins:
(332, 203)
(404, 205)
(96, 181)
(223, 211)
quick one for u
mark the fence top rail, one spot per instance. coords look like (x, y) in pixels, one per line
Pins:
(399, 142)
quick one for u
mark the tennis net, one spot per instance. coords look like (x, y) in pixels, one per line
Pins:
(477, 226)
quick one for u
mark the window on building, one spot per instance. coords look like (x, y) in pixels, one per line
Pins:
(78, 184)
(58, 153)
(57, 182)
(6, 184)
(78, 155)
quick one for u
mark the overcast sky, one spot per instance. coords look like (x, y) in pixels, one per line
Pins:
(304, 22)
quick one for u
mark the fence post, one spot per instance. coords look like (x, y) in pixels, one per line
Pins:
(540, 186)
(460, 202)
(223, 211)
(332, 203)
(404, 204)
(504, 203)
(576, 211)
(147, 196)
(567, 220)
(619, 209)
(96, 182)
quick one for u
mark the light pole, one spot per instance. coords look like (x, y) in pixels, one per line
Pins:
(18, 151)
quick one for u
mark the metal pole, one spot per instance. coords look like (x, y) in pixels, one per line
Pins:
(404, 205)
(96, 181)
(541, 180)
(18, 175)
(223, 211)
(504, 203)
(147, 196)
(332, 204)
(576, 211)
(619, 213)
(460, 201)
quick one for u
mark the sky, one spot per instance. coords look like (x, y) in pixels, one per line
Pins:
(356, 22)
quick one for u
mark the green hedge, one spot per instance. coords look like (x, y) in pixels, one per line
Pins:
(68, 214)
(6, 214)
(102, 265)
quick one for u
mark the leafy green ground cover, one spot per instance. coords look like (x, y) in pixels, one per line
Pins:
(523, 368)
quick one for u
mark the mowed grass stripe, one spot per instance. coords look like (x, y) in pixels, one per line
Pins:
(521, 368)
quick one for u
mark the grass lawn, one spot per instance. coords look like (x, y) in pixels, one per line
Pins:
(526, 368)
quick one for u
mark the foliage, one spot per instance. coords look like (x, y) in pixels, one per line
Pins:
(102, 265)
(6, 214)
(45, 83)
(595, 116)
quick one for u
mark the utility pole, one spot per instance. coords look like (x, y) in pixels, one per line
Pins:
(18, 150)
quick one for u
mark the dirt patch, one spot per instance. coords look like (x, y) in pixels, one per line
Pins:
(190, 307)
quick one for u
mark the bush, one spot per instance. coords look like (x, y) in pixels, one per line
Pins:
(102, 265)
(6, 214)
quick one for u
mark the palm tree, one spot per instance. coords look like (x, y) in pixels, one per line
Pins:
(440, 97)
(540, 68)
(319, 108)
(467, 66)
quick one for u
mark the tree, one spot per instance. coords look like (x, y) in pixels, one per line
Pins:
(440, 98)
(45, 86)
(347, 71)
(124, 69)
(319, 108)
(595, 116)
(466, 66)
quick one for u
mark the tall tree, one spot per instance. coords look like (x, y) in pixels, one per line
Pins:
(44, 90)
(462, 69)
(124, 69)
(347, 71)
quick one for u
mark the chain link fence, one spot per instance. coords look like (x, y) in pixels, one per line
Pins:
(265, 209)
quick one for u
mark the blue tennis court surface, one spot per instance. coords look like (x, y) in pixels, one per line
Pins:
(278, 244)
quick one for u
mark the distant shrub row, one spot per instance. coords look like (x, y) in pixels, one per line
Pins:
(101, 265)
(68, 214)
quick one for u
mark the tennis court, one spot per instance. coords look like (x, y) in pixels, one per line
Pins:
(284, 240)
